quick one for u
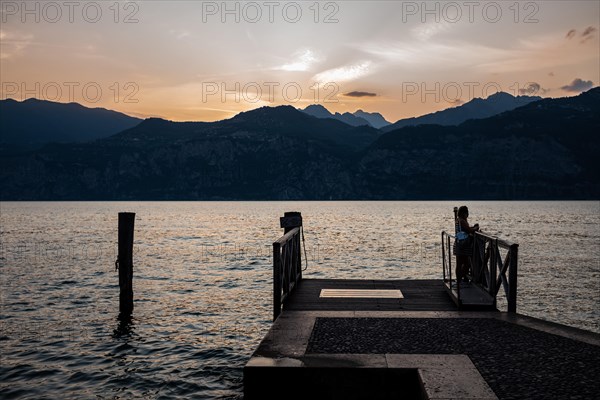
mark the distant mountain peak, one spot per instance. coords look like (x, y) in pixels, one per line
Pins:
(318, 110)
(282, 110)
(31, 123)
(268, 115)
(358, 118)
(476, 108)
(375, 119)
(154, 121)
(316, 107)
(499, 95)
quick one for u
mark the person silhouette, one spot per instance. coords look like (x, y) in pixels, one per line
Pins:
(464, 243)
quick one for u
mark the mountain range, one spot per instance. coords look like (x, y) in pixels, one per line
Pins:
(546, 149)
(358, 118)
(32, 123)
(475, 109)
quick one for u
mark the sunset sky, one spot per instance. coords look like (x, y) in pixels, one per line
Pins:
(191, 60)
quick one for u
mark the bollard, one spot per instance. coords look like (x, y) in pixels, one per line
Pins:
(126, 223)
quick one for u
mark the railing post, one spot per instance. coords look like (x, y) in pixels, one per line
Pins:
(443, 258)
(276, 280)
(493, 266)
(475, 259)
(298, 272)
(449, 260)
(512, 278)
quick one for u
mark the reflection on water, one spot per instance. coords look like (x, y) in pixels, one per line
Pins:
(202, 283)
(124, 327)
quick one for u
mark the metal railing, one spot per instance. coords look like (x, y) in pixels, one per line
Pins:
(447, 259)
(488, 266)
(287, 268)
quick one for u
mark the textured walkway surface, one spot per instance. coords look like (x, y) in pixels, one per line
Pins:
(483, 354)
(517, 362)
(418, 295)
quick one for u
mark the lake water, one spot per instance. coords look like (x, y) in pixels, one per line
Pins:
(203, 282)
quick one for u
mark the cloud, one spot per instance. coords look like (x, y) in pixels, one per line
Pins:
(345, 73)
(303, 60)
(13, 44)
(588, 31)
(532, 89)
(540, 53)
(587, 34)
(578, 85)
(179, 34)
(533, 53)
(435, 55)
(426, 31)
(456, 102)
(360, 94)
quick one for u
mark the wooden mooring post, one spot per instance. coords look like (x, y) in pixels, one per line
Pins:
(290, 220)
(125, 263)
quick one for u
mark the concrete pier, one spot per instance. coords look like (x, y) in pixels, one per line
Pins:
(417, 346)
(415, 339)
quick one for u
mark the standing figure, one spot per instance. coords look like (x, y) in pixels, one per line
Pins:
(464, 243)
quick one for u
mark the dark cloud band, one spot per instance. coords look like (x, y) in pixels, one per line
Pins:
(360, 94)
(578, 85)
(588, 31)
(532, 89)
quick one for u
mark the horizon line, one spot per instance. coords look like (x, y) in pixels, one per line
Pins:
(146, 117)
